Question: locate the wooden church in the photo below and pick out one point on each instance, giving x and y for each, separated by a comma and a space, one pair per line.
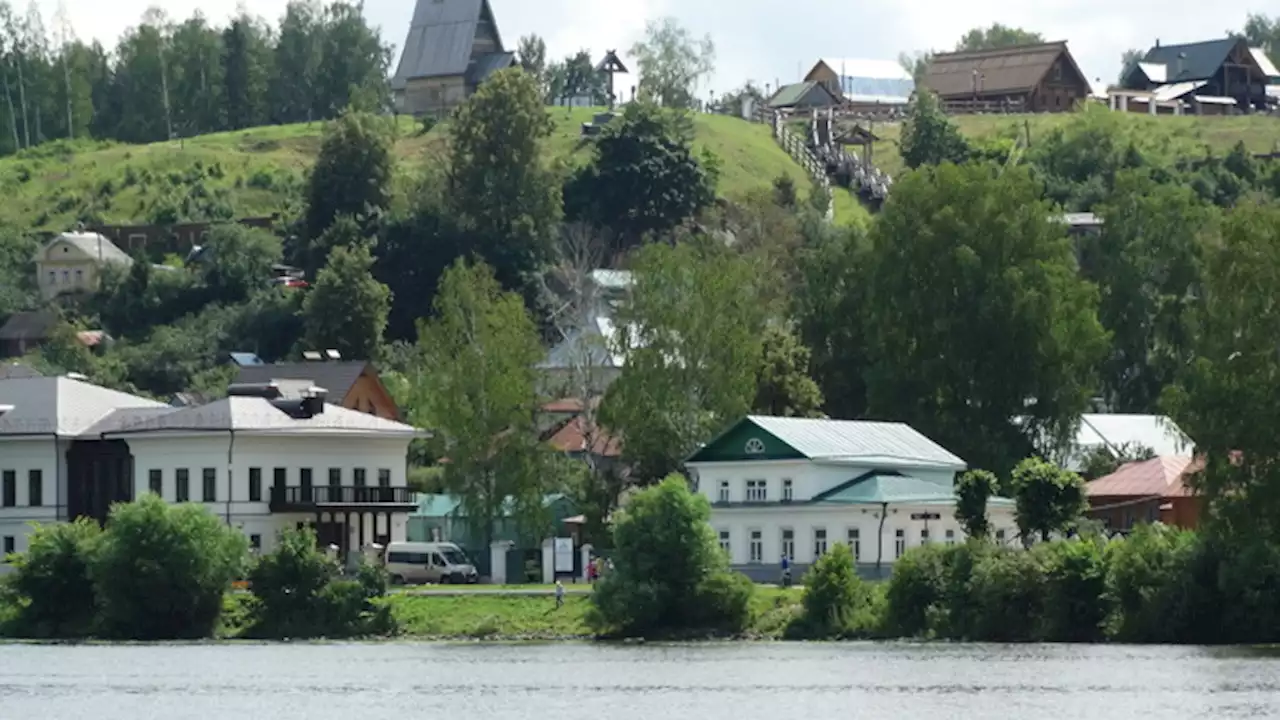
453, 46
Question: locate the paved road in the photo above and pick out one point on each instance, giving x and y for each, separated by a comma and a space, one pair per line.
448, 591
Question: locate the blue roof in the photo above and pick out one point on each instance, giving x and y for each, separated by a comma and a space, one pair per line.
881, 487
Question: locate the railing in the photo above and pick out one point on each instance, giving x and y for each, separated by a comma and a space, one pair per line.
984, 107
799, 151
295, 497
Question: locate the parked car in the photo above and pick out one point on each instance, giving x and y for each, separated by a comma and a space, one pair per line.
428, 562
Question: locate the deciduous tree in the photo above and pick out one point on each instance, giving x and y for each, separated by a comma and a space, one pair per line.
973, 490
347, 308
1049, 499
975, 315
783, 385
352, 175
671, 63
929, 137
997, 36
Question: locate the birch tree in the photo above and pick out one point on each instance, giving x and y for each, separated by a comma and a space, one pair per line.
158, 19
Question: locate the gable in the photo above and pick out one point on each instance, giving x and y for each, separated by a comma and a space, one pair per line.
821, 73
746, 441
368, 395
62, 250
1064, 71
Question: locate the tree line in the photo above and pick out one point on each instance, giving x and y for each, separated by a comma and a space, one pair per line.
167, 79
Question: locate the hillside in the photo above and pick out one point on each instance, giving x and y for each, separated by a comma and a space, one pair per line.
1260, 134
258, 171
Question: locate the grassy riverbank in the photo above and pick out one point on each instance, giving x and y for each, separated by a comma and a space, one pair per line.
476, 615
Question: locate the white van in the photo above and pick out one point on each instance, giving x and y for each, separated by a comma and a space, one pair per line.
416, 563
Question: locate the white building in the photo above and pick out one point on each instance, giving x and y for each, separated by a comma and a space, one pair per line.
262, 462
796, 486
588, 350
73, 261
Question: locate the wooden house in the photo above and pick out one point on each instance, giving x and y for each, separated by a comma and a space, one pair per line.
453, 46
1211, 77
802, 96
1037, 78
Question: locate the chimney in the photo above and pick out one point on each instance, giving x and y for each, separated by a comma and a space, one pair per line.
1157, 42
267, 390
313, 402
1182, 61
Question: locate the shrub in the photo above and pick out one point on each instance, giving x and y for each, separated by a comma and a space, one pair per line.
918, 583
836, 600
669, 575
162, 570
52, 583
1142, 583
1008, 592
1075, 603
299, 594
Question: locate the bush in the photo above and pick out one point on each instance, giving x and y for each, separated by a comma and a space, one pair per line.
669, 575
1142, 582
918, 584
52, 582
1075, 606
1008, 592
162, 570
836, 601
299, 594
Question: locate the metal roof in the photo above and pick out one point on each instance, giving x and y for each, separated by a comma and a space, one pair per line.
61, 406
877, 444
255, 414
1264, 62
865, 68
486, 65
1162, 476
338, 377
440, 38
1115, 431
1191, 61
790, 95
28, 325
1166, 93
612, 279
15, 371
94, 245
878, 488
1155, 72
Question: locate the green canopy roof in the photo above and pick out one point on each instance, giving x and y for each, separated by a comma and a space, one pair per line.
880, 487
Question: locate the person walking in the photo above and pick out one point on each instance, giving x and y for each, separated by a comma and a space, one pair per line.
559, 594
786, 570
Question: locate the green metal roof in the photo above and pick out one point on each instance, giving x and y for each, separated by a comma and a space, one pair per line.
436, 506
789, 95
880, 487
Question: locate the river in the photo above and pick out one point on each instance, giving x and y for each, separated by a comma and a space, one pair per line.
729, 681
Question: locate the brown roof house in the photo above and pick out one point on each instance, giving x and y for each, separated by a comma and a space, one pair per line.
1039, 78
354, 385
452, 47
1148, 491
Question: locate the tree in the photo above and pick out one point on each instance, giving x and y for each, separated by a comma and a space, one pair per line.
1147, 264
1128, 59
669, 573
783, 385
834, 596
973, 490
929, 137
996, 36
1221, 397
643, 178
237, 261
297, 61
53, 581
500, 191
532, 55
1264, 33
690, 332
1049, 499
479, 395
352, 174
246, 71
576, 76
198, 77
980, 333
671, 63
347, 309
916, 63
352, 71
163, 570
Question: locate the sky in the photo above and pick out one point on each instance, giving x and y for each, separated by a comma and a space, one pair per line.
765, 40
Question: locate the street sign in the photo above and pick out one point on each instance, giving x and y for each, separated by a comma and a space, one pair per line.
926, 516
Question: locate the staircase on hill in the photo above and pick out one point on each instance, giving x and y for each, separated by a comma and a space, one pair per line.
827, 159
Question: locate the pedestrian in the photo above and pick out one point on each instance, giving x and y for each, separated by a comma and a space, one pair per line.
786, 570
559, 594
592, 571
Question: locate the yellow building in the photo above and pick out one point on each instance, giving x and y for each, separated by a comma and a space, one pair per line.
73, 262
452, 47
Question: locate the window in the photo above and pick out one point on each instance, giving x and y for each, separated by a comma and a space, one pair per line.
66, 277
155, 482
279, 478
255, 484
53, 278
789, 543
757, 491
182, 481
255, 542
899, 543
209, 484
79, 276
304, 479
819, 542
724, 541
924, 536
723, 495
384, 478
951, 537
335, 484
358, 477
1000, 537
35, 488
8, 547
756, 547
786, 490
855, 543
10, 490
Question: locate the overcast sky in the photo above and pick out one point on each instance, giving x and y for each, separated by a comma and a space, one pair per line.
767, 40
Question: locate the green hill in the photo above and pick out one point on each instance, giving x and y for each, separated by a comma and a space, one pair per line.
260, 170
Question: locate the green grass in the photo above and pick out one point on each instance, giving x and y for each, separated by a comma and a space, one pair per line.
1259, 133
260, 170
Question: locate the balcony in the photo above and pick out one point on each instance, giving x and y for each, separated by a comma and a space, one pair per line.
342, 498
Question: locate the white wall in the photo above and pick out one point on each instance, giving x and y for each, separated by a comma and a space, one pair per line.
803, 520
807, 478
20, 456
170, 453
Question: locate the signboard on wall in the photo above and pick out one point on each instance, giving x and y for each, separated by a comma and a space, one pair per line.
564, 555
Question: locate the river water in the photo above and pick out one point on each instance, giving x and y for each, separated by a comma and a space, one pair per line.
730, 681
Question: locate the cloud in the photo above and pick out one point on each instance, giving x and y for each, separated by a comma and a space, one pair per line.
762, 40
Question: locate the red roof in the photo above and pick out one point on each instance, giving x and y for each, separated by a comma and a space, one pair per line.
1162, 476
569, 437
566, 405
